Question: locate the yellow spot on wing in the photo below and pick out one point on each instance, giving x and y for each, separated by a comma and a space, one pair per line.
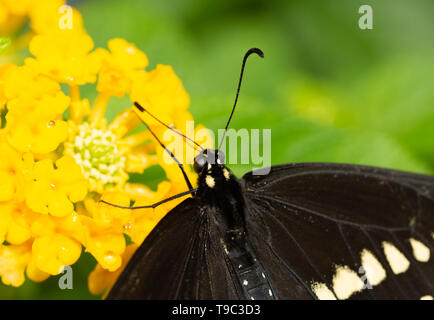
226, 174
420, 251
346, 282
397, 261
322, 292
374, 271
426, 298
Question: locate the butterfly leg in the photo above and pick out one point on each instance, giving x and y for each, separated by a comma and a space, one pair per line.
153, 206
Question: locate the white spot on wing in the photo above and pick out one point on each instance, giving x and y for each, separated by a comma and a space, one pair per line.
245, 282
322, 292
420, 251
210, 182
270, 293
426, 298
346, 282
374, 271
397, 261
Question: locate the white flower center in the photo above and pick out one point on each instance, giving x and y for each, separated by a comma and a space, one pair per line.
99, 155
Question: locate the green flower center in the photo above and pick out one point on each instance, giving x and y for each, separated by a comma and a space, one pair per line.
99, 155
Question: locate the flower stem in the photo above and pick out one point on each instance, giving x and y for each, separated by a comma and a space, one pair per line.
75, 109
74, 93
124, 122
99, 106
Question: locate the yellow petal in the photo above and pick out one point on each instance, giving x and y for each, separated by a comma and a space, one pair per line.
36, 274
59, 205
13, 260
7, 186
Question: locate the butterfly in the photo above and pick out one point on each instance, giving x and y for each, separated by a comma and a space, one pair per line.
302, 231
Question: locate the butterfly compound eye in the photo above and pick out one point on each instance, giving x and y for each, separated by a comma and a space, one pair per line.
221, 158
199, 162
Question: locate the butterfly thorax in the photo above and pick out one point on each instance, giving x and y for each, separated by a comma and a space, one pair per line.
219, 188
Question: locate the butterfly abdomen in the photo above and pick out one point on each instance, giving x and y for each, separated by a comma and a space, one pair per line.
250, 274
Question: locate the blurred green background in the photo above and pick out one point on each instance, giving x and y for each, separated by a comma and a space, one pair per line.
328, 90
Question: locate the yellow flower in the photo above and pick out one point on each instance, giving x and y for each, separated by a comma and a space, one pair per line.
3, 70
54, 190
101, 279
51, 253
65, 56
44, 15
107, 249
48, 15
119, 67
13, 262
112, 216
105, 239
36, 274
15, 224
35, 104
60, 155
22, 19
57, 243
11, 168
161, 93
26, 81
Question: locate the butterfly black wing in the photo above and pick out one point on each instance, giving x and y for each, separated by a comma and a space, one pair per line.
312, 227
319, 223
180, 259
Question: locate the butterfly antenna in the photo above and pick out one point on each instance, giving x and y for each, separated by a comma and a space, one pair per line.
153, 206
190, 187
141, 109
248, 53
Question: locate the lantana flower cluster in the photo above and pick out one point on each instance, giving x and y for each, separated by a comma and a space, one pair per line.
59, 155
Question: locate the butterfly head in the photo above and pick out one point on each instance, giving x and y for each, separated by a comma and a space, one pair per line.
208, 158
210, 165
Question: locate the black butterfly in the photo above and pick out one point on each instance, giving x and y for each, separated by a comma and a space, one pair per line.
303, 231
